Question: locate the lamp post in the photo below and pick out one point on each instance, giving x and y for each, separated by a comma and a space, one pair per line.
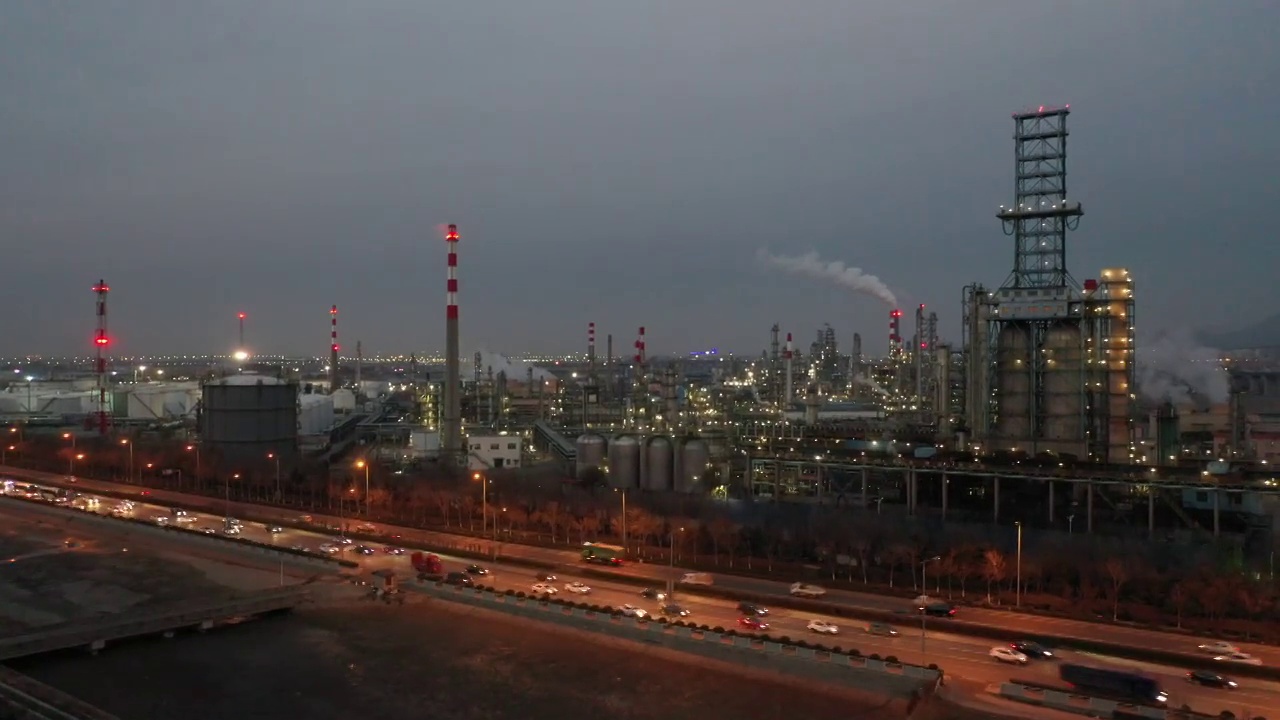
71, 463
126, 442
924, 611
671, 563
196, 449
4, 454
362, 465
624, 517
484, 502
227, 484
273, 456
1071, 524
1017, 593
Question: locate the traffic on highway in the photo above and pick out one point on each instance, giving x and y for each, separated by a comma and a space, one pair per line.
917, 638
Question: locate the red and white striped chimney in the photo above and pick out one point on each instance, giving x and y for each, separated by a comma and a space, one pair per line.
640, 347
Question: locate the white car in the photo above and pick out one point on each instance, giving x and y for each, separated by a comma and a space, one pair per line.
1008, 655
807, 591
577, 587
544, 588
633, 611
1219, 647
329, 548
1239, 658
822, 627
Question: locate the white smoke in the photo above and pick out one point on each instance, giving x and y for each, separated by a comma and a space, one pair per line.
871, 384
1173, 367
844, 275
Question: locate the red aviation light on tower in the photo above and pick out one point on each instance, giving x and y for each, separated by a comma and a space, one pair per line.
241, 316
102, 341
101, 287
451, 235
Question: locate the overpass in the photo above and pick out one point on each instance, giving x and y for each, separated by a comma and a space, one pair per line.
25, 697
95, 634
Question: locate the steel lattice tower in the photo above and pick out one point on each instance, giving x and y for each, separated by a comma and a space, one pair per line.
1041, 214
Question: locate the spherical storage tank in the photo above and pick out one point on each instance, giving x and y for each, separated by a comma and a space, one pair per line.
591, 452
624, 462
246, 417
695, 458
659, 460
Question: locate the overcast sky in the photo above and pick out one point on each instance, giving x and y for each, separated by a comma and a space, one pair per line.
616, 162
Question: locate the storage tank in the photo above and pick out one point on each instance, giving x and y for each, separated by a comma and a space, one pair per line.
660, 459
1064, 384
591, 453
624, 462
246, 417
1013, 382
695, 458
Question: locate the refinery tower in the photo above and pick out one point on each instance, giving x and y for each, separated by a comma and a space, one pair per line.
1049, 362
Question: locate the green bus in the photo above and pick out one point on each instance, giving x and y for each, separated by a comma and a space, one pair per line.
602, 553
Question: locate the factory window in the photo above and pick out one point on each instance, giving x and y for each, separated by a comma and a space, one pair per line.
493, 446
511, 446
475, 447
1202, 496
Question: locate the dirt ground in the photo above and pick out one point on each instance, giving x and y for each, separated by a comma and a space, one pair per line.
424, 659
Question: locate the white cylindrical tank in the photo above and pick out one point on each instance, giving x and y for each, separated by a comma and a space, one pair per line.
660, 459
591, 453
695, 458
624, 462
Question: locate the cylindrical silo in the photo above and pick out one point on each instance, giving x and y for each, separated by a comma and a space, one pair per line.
1013, 382
1064, 384
660, 458
245, 418
695, 458
591, 452
624, 462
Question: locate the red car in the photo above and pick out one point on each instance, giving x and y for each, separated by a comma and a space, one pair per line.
753, 623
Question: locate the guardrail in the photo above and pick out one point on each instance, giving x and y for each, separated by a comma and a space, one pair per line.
35, 700
811, 661
95, 635
1080, 704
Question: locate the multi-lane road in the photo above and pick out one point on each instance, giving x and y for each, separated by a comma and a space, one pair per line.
960, 656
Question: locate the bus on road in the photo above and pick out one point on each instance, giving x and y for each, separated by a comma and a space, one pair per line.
602, 553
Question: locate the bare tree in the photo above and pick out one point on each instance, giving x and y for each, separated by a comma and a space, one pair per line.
1118, 571
994, 569
1178, 596
723, 531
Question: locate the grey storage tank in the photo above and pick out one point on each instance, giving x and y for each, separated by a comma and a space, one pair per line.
591, 453
624, 462
659, 461
695, 458
246, 417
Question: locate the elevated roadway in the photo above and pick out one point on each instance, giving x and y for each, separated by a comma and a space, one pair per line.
943, 641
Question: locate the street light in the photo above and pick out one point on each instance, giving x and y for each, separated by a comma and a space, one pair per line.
72, 438
362, 465
484, 501
71, 463
1017, 593
273, 456
196, 448
624, 517
126, 442
924, 611
4, 454
227, 484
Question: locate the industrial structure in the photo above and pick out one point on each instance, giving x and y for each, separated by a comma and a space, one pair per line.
100, 343
451, 414
1049, 362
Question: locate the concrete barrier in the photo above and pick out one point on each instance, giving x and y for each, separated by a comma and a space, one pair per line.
811, 663
1075, 703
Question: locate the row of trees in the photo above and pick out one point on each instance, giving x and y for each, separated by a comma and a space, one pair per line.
1152, 583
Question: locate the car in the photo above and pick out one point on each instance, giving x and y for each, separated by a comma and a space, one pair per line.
544, 588
822, 627
231, 530
546, 577
363, 550
752, 622
1032, 650
1239, 658
1007, 655
457, 578
1219, 647
329, 548
633, 611
673, 610
275, 529
208, 530
577, 587
883, 629
807, 591
1210, 679
747, 608
345, 541
476, 570
939, 610
365, 528
393, 550
651, 594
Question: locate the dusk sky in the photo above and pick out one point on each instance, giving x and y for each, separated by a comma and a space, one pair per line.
622, 163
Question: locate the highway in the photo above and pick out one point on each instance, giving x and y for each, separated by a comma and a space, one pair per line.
960, 656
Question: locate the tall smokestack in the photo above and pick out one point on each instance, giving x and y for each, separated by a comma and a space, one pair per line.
895, 332
639, 385
451, 422
241, 317
918, 349
855, 363
100, 341
333, 348
591, 350
786, 357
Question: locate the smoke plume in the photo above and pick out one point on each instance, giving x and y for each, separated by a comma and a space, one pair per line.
810, 265
1173, 367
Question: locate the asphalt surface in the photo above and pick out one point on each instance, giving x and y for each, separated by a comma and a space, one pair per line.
960, 656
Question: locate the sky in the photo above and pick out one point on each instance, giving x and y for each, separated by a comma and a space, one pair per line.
618, 163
